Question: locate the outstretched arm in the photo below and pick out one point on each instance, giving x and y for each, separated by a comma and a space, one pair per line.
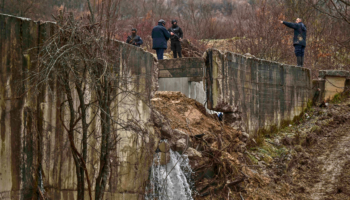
290, 25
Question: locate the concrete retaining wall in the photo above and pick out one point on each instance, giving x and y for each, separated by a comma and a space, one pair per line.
264, 93
27, 145
334, 82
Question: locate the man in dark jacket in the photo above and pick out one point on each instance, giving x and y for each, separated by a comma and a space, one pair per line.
299, 39
176, 38
160, 37
134, 39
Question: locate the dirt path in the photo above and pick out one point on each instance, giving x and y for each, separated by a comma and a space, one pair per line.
323, 172
333, 165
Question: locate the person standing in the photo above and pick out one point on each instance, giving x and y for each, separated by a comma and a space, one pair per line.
176, 38
134, 39
299, 39
160, 37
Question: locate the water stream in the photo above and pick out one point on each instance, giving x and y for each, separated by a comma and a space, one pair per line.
170, 181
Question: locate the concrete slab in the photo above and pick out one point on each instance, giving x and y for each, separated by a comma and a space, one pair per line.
323, 73
333, 86
181, 67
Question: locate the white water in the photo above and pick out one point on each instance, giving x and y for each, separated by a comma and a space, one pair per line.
170, 182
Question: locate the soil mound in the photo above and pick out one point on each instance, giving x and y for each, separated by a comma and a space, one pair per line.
307, 159
216, 151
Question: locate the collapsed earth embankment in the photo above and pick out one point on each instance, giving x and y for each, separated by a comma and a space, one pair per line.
308, 159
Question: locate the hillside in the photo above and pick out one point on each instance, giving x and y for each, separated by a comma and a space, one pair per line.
309, 159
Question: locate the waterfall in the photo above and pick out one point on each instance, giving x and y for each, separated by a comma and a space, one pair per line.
170, 181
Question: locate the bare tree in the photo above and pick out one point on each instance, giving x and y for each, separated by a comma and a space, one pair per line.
81, 58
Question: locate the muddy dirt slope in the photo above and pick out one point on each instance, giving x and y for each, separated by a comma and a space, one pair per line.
324, 171
307, 159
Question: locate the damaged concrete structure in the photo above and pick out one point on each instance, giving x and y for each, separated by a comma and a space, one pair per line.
258, 93
264, 93
33, 143
184, 75
332, 82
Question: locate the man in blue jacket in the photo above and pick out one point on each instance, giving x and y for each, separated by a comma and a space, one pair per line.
134, 39
160, 37
299, 39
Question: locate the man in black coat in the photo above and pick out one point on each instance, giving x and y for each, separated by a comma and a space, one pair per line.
160, 37
176, 38
134, 39
299, 39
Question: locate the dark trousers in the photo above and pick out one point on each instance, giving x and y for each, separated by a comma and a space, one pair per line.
299, 50
176, 48
160, 53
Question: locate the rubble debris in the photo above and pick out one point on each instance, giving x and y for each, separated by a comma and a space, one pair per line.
283, 166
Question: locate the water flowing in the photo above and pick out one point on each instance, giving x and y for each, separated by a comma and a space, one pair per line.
170, 181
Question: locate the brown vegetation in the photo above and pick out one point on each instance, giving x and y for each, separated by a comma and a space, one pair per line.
248, 26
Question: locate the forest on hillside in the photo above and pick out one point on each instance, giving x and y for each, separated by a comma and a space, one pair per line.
248, 26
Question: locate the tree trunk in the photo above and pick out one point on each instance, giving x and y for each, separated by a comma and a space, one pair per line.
102, 178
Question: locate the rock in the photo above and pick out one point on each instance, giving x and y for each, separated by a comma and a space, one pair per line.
181, 144
164, 147
177, 134
166, 131
244, 137
276, 141
193, 154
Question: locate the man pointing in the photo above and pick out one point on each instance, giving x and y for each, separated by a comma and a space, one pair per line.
299, 39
